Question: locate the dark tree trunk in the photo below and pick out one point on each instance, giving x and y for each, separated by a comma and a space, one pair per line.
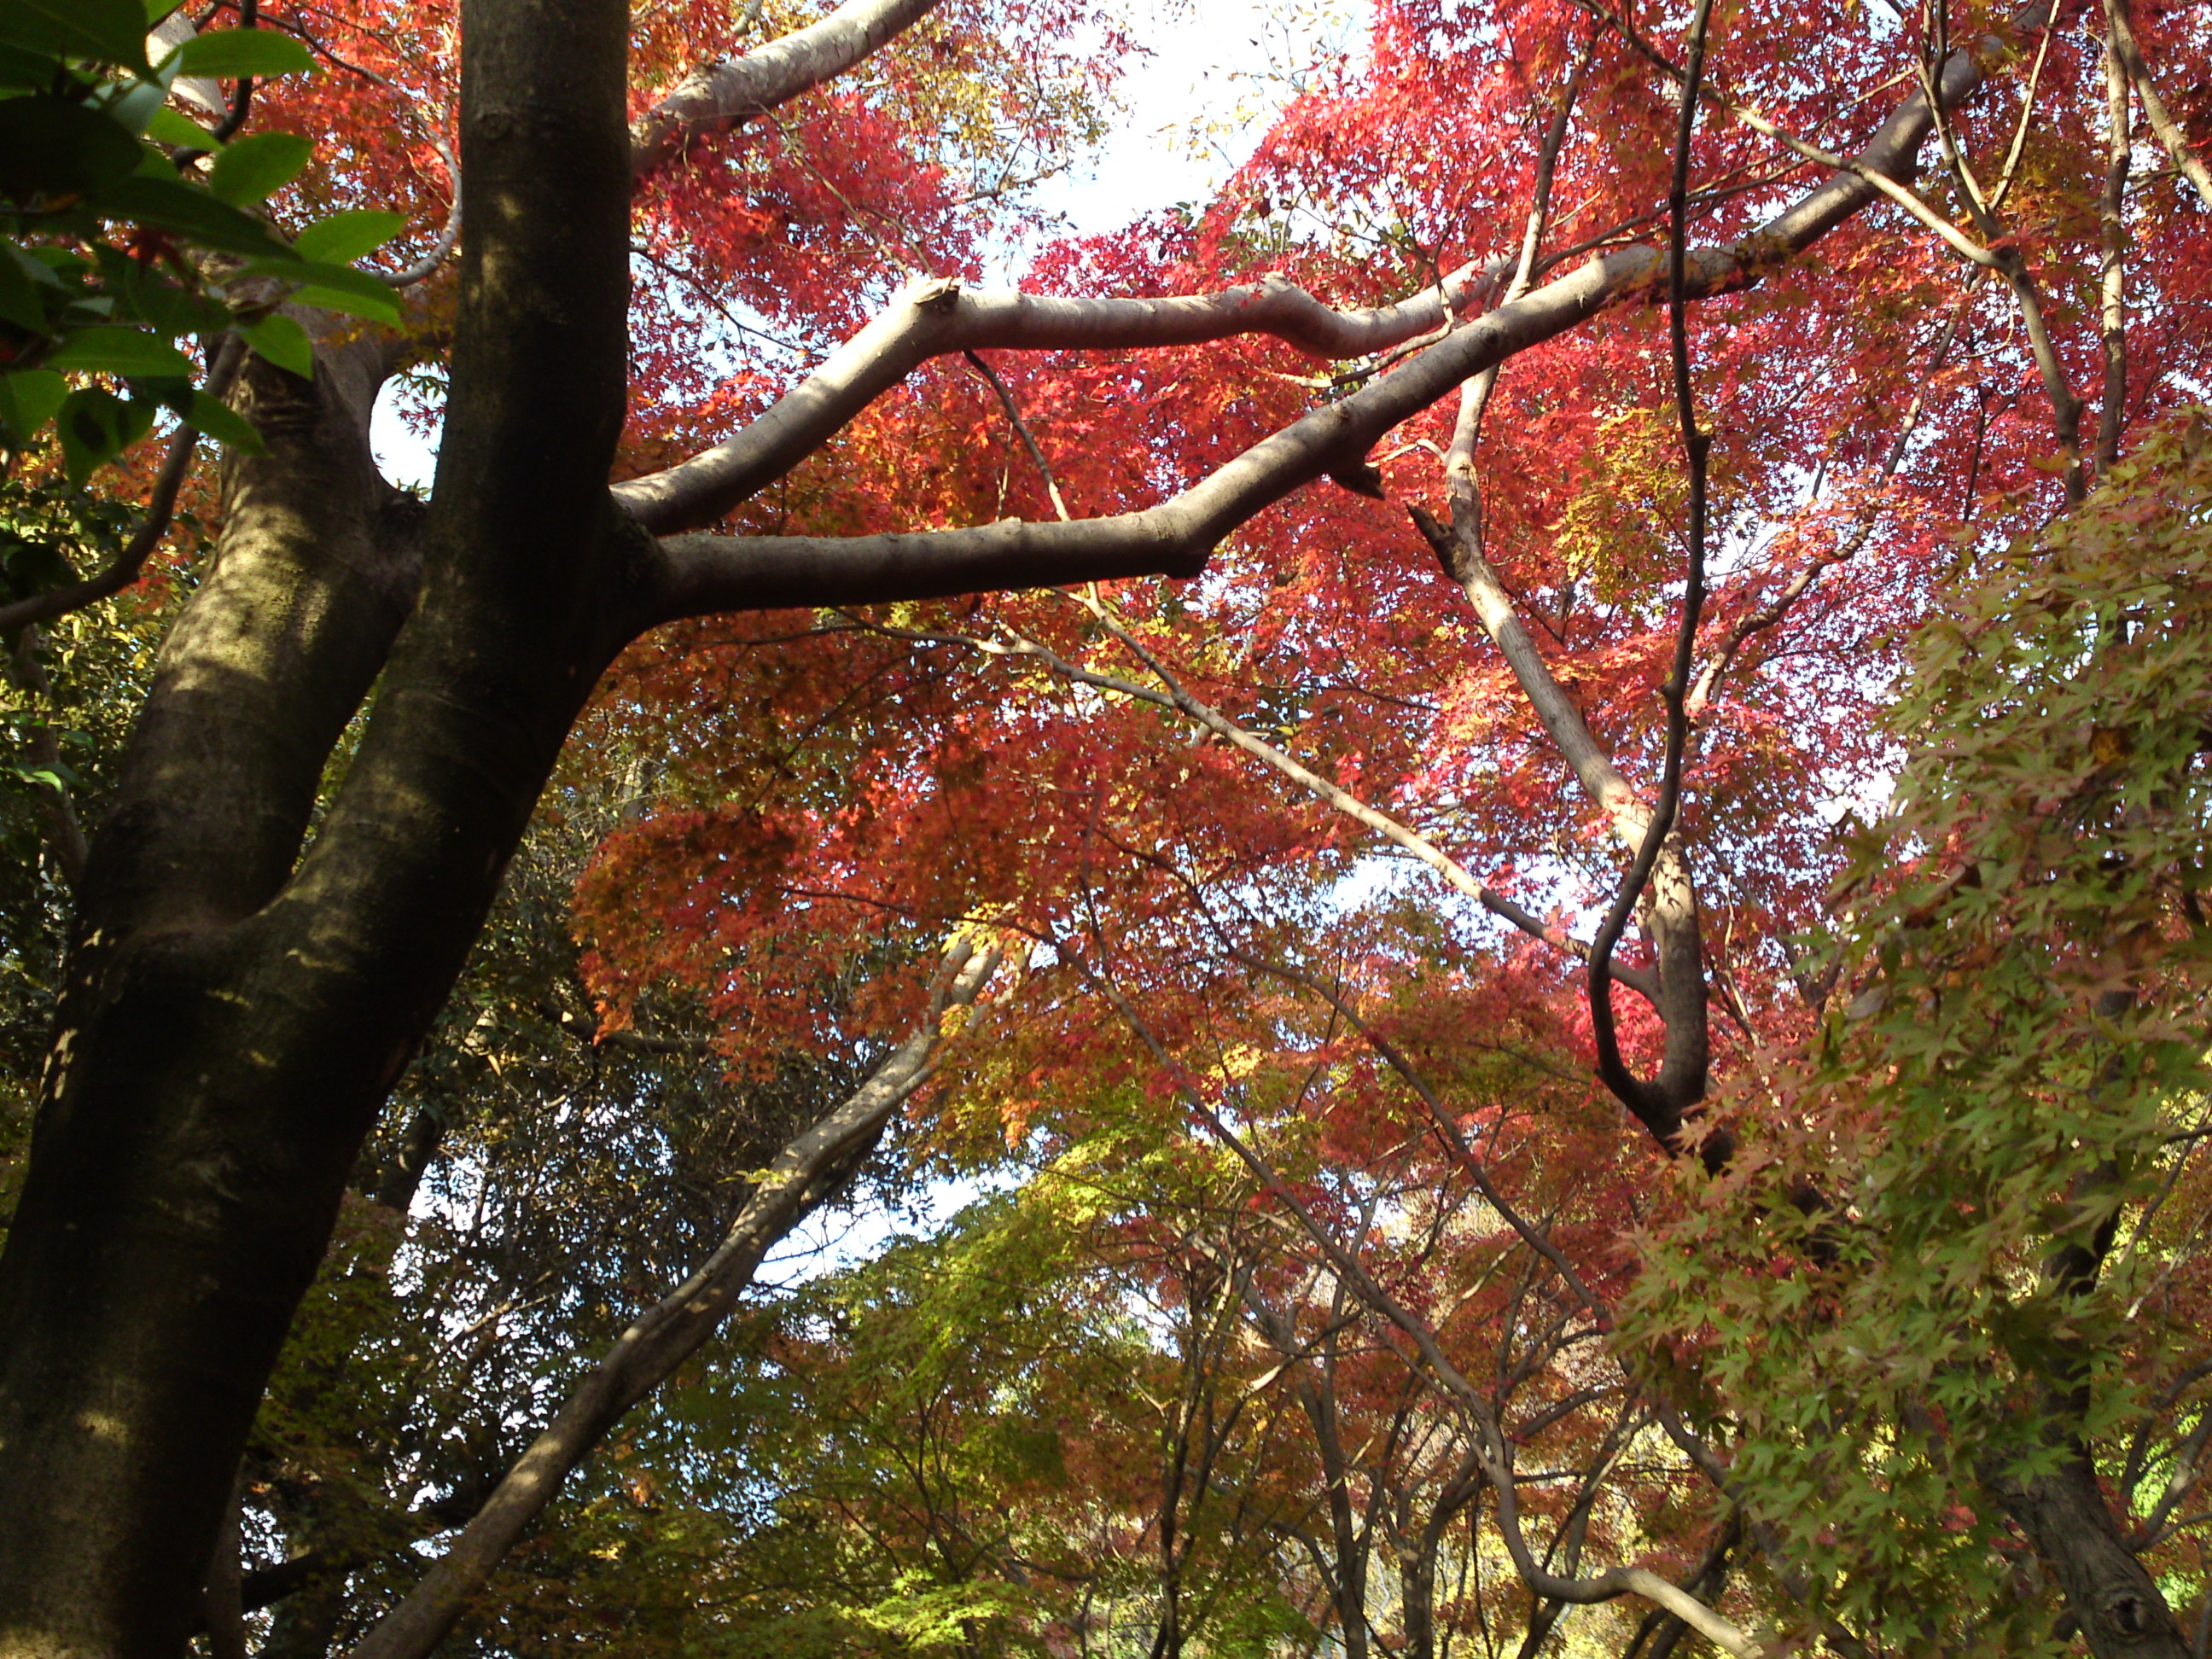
2119, 1609
236, 1011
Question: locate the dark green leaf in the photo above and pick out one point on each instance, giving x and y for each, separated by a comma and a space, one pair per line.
96, 425
251, 168
113, 31
21, 302
345, 237
215, 419
113, 350
283, 342
166, 307
171, 205
28, 400
340, 288
51, 147
229, 53
27, 71
32, 567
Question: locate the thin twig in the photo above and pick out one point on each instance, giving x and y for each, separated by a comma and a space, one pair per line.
1029, 439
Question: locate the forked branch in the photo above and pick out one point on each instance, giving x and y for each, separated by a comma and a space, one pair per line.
705, 573
1661, 1101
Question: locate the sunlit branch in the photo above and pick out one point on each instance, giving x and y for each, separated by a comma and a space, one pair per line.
720, 95
449, 234
705, 573
1671, 917
1474, 396
2186, 162
2009, 174
2008, 260
939, 317
804, 1173
1342, 800
1751, 116
2112, 238
1993, 251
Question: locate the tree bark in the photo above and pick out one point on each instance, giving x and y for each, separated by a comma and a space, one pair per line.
234, 1012
2120, 1611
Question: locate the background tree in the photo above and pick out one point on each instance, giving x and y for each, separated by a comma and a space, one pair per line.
263, 938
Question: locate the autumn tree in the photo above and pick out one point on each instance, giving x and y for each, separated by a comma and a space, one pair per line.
1766, 380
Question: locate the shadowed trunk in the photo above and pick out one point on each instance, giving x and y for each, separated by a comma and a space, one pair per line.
2120, 1611
235, 1013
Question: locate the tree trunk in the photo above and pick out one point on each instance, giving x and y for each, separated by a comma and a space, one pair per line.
235, 1013
2120, 1611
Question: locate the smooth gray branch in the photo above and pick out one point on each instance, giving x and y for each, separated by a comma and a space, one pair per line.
804, 1173
720, 95
706, 574
938, 318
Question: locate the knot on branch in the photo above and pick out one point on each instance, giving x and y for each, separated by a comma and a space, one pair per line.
938, 295
1450, 553
1361, 477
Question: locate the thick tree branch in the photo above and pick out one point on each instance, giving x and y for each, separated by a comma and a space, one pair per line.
707, 574
720, 95
938, 318
2186, 162
808, 1170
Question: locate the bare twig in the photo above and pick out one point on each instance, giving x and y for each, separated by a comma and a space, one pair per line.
1029, 439
1768, 615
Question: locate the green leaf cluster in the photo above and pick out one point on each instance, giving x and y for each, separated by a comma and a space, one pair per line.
115, 246
1923, 1278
